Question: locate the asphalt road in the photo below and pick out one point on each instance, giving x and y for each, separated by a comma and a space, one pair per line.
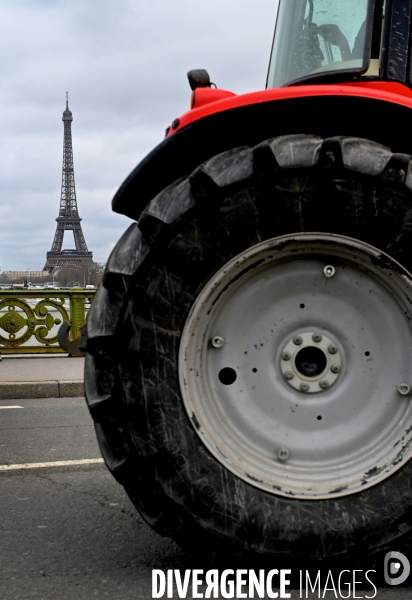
70, 532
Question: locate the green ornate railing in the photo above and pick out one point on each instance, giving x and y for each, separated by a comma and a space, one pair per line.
29, 320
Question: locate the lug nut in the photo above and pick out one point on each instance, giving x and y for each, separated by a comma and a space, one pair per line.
329, 271
316, 337
335, 368
218, 341
283, 453
323, 384
332, 349
297, 340
304, 387
286, 356
288, 375
403, 389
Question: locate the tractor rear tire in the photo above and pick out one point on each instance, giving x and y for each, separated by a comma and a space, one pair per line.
238, 204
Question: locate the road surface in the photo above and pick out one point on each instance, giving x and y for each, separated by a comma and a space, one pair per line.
68, 531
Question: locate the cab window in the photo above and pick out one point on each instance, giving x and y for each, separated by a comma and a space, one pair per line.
318, 36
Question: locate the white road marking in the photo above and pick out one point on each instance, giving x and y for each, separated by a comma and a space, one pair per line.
4, 407
57, 463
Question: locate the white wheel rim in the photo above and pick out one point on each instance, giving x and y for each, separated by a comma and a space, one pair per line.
311, 444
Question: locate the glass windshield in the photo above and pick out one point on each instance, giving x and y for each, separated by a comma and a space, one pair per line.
317, 36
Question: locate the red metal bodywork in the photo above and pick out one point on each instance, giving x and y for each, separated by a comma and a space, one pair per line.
376, 110
208, 101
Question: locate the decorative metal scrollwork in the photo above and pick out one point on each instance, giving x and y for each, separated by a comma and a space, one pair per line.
38, 321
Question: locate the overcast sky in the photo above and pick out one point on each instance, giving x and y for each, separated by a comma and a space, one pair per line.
124, 63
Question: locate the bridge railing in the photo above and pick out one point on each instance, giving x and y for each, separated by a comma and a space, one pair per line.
30, 319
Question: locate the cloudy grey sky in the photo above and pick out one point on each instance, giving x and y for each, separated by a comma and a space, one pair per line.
124, 63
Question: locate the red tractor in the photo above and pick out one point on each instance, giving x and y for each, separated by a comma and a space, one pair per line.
249, 354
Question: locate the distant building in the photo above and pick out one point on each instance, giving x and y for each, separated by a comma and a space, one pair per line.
23, 274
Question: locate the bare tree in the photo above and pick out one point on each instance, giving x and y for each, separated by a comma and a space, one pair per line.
89, 275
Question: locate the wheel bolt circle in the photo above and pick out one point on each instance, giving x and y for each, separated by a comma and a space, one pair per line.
283, 453
310, 348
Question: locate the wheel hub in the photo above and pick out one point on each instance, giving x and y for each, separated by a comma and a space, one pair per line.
295, 366
311, 362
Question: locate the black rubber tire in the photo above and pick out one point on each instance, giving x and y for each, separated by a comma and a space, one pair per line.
291, 184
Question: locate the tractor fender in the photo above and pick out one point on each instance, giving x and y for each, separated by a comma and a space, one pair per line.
377, 111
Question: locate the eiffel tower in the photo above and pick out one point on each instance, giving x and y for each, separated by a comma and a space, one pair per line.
68, 218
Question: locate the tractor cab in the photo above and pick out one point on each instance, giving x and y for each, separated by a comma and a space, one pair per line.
330, 40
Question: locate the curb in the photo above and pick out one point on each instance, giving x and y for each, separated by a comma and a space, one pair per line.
40, 389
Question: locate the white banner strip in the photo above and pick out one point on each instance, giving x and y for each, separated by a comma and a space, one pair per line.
57, 463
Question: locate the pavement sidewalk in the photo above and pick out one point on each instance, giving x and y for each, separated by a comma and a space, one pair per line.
24, 377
